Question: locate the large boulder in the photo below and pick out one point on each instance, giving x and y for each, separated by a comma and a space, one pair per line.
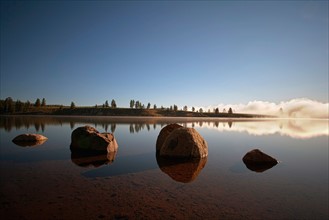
164, 133
88, 138
184, 143
258, 161
29, 139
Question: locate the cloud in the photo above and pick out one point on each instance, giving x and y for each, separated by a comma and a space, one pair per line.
295, 108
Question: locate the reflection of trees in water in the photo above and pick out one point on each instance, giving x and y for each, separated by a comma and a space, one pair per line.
37, 127
292, 128
72, 124
137, 127
113, 127
40, 123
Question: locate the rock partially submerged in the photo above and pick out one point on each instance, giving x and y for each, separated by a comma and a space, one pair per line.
183, 143
258, 161
88, 138
29, 140
30, 137
164, 133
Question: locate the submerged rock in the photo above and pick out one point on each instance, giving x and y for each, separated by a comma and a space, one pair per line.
184, 143
164, 133
181, 170
88, 138
29, 140
258, 161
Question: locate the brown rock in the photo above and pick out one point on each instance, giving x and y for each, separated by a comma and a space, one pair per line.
88, 138
258, 161
164, 133
185, 143
30, 140
29, 137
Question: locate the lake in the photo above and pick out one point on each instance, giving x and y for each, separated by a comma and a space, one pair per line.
48, 181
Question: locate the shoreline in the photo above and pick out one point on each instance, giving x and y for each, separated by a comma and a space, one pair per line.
128, 112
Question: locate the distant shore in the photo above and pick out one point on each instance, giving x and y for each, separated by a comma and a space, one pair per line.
92, 111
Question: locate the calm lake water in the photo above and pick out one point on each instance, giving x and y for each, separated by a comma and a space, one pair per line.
48, 181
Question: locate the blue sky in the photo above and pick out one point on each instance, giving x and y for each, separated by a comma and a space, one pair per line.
197, 53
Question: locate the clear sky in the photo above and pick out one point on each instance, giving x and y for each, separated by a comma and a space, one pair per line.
197, 53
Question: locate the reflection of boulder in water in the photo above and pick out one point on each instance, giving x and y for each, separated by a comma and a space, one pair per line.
30, 140
86, 158
259, 168
258, 161
181, 170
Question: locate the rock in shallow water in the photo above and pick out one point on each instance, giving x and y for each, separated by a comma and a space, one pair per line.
164, 133
29, 140
30, 137
184, 143
88, 138
258, 161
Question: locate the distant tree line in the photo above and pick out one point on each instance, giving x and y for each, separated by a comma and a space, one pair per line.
10, 106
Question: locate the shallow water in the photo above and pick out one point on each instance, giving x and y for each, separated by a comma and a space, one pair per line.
48, 181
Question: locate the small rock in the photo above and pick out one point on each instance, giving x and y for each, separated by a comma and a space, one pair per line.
29, 137
258, 161
29, 140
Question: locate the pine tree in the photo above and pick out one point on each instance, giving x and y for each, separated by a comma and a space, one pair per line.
43, 102
113, 104
37, 103
72, 105
132, 103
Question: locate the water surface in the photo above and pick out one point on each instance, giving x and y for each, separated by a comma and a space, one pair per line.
50, 180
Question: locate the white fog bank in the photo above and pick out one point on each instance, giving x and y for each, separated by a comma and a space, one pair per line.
295, 108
